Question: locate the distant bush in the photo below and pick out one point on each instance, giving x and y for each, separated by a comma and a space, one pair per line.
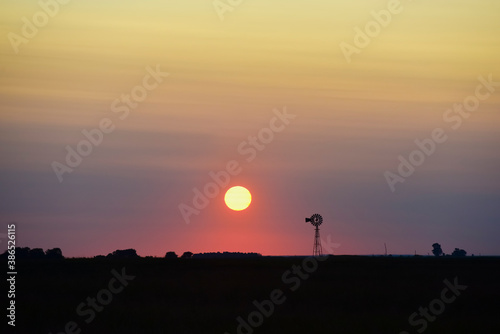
54, 253
23, 252
187, 255
123, 254
459, 252
36, 253
436, 249
171, 255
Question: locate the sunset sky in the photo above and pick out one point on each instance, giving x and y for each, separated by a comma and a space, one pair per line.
228, 79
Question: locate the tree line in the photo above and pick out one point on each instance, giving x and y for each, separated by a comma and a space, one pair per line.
438, 251
36, 253
56, 253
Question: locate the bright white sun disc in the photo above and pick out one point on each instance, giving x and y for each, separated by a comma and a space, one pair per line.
238, 198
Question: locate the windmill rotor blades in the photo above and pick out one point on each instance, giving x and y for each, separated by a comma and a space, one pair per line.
316, 219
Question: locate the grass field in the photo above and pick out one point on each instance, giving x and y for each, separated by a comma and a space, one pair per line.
344, 294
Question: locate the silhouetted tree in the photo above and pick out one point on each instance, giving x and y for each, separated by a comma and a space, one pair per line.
171, 255
54, 253
436, 249
187, 255
22, 252
123, 254
459, 252
37, 253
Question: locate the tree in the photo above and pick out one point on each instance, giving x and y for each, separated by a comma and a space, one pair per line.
459, 252
36, 253
124, 254
22, 252
54, 253
171, 255
187, 255
436, 249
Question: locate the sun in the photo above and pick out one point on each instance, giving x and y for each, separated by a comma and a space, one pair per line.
238, 198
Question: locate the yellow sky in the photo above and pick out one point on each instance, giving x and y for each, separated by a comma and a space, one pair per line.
264, 54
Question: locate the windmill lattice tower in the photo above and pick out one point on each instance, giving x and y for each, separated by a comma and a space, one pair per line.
316, 220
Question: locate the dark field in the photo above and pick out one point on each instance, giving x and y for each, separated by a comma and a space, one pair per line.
343, 295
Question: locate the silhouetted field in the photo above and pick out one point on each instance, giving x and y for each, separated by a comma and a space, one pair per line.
344, 294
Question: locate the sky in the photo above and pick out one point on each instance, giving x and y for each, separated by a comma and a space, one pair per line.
314, 106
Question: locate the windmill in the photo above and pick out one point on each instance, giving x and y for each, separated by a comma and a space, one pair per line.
316, 220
